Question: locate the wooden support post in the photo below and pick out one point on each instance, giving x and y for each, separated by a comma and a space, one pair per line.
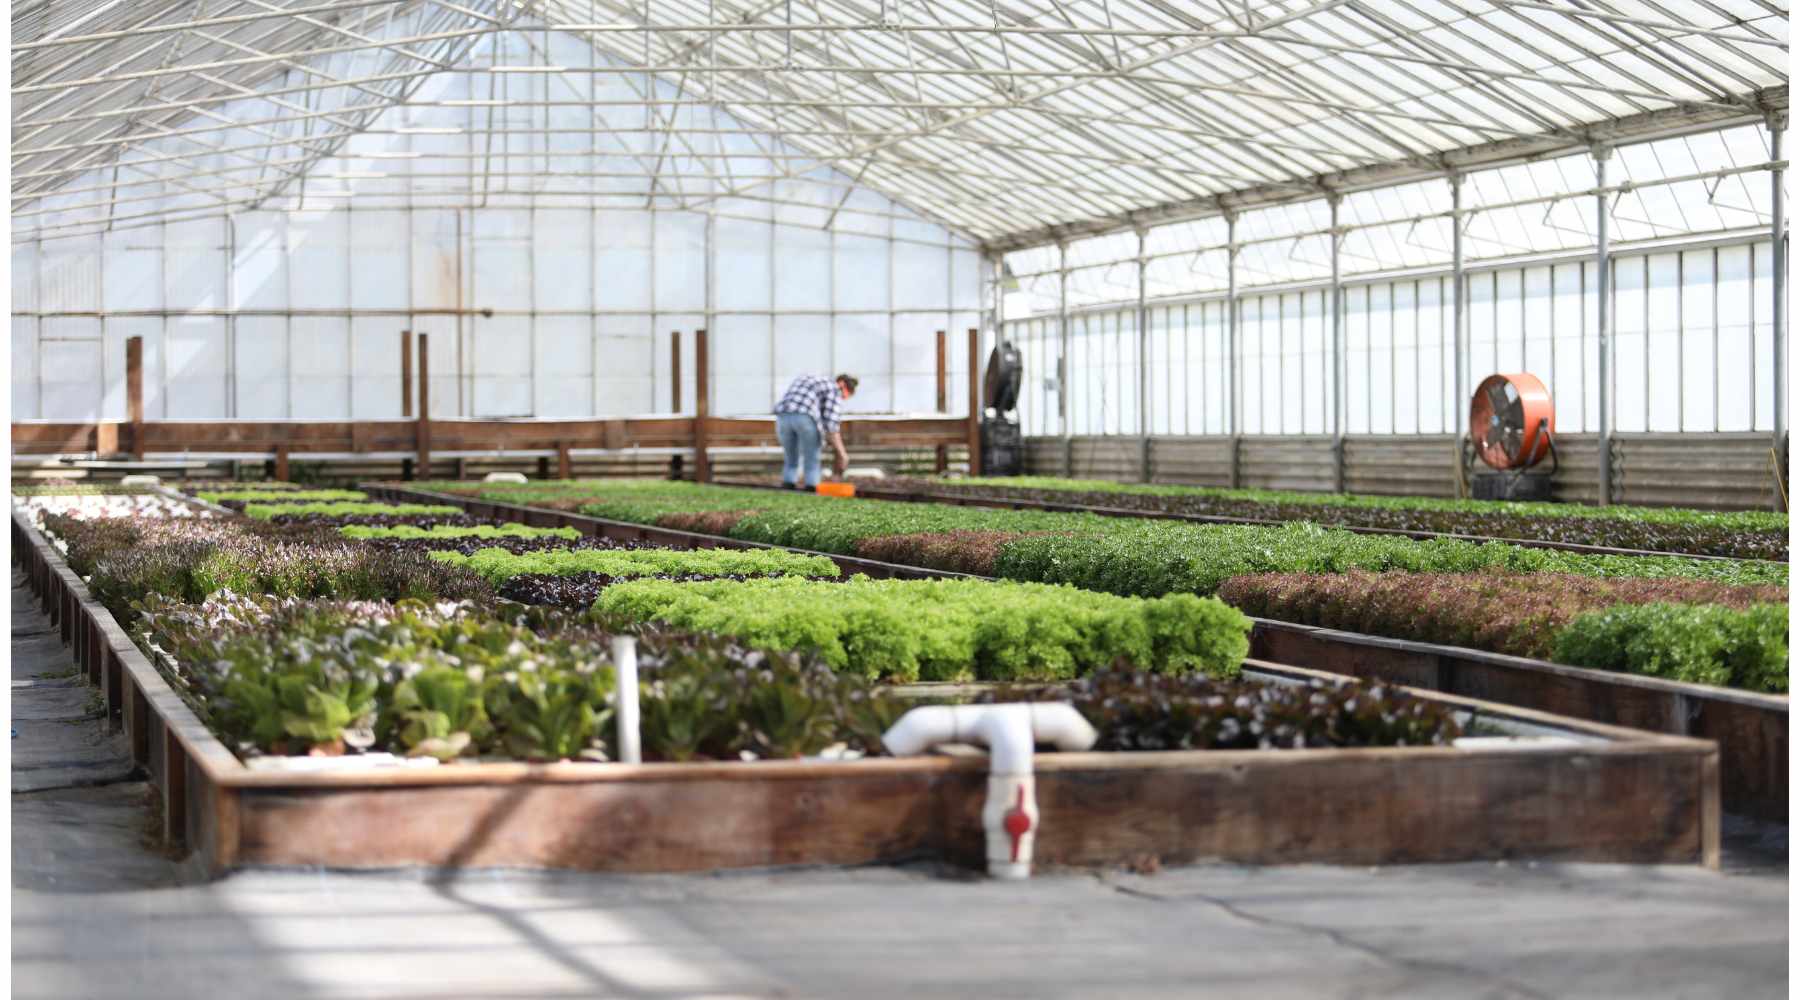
137, 720
943, 395
702, 394
675, 394
423, 434
565, 466
974, 402
281, 463
406, 375
175, 785
134, 394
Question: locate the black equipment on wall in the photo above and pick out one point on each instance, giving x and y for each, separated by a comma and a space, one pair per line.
1002, 443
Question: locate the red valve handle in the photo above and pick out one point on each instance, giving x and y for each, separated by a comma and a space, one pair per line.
1017, 823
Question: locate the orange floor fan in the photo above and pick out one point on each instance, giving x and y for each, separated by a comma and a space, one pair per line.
1513, 424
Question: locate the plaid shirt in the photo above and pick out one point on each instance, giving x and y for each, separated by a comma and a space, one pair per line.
815, 396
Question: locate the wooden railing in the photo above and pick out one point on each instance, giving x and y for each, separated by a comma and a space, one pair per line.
420, 435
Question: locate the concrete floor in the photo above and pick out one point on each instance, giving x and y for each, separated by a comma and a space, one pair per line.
98, 912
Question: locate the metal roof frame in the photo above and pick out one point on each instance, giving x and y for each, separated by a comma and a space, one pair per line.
1014, 122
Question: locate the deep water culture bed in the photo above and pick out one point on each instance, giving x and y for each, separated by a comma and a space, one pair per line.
1524, 785
1750, 727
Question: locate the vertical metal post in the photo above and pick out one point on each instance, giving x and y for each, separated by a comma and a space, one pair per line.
1065, 376
1459, 295
974, 431
1143, 364
1603, 274
1778, 311
1234, 407
1337, 348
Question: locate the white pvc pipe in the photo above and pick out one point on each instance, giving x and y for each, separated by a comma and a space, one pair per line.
1010, 732
625, 673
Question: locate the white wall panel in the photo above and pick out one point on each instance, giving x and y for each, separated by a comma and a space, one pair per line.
259, 277
623, 261
803, 269
195, 369
741, 365
921, 276
318, 294
680, 261
375, 367
71, 356
24, 276
915, 343
562, 269
628, 349
131, 279
433, 259
967, 272
24, 366
565, 365
860, 344
261, 358
502, 275
69, 275
745, 274
320, 359
318, 260
863, 266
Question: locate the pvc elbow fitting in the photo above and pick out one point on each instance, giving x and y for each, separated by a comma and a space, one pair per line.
1011, 733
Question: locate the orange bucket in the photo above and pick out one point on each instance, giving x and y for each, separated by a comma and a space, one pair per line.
837, 489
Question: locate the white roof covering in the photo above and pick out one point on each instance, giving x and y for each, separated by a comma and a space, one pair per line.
1012, 121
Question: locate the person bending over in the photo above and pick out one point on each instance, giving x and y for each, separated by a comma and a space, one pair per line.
807, 413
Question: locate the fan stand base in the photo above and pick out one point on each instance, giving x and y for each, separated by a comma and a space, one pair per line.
1002, 447
1511, 486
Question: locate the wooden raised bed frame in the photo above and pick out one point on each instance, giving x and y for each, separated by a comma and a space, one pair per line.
1636, 797
1750, 728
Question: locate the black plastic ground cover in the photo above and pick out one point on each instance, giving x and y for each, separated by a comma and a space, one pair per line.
1021, 503
1750, 728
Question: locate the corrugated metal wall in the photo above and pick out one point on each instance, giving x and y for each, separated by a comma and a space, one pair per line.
1715, 471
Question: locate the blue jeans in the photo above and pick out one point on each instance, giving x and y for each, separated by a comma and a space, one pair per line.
799, 445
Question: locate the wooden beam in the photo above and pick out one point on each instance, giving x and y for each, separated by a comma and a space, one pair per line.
675, 370
397, 435
281, 463
974, 402
943, 395
134, 394
702, 394
423, 433
565, 467
406, 374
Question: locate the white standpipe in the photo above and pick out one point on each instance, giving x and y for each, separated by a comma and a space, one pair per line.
625, 674
1010, 732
